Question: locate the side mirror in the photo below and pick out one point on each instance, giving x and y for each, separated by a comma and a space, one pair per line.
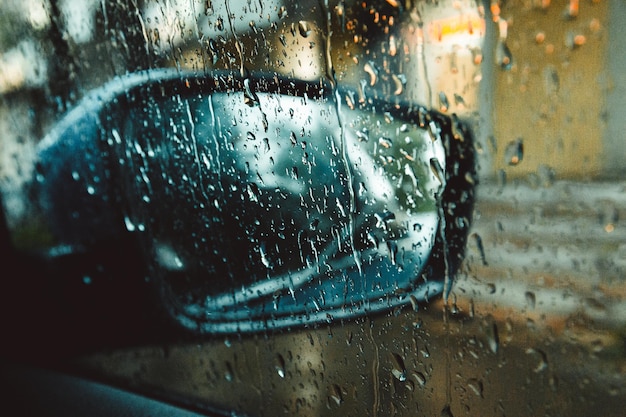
261, 202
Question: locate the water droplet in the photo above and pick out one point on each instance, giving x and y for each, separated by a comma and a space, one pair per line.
304, 28
383, 218
250, 97
168, 258
551, 80
252, 25
250, 136
363, 134
542, 359
253, 192
575, 40
228, 373
392, 247
434, 131
130, 226
514, 152
398, 84
493, 340
444, 104
423, 117
335, 394
370, 68
279, 365
398, 369
504, 58
530, 299
373, 240
476, 386
459, 100
437, 170
540, 37
219, 24
419, 378
263, 254
571, 11
385, 142
282, 12
457, 131
479, 246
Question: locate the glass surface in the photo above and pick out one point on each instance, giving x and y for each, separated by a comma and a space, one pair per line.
335, 208
259, 202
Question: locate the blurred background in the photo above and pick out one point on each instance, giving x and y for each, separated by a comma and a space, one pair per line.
536, 319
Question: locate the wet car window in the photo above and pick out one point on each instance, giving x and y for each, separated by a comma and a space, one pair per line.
271, 207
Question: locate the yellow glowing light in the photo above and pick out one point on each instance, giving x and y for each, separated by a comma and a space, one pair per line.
454, 26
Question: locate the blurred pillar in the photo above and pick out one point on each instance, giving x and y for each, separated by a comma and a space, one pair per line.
550, 107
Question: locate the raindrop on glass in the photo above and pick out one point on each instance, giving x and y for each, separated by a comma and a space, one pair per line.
398, 370
279, 365
444, 104
475, 386
504, 57
530, 299
419, 378
514, 152
335, 394
304, 28
493, 340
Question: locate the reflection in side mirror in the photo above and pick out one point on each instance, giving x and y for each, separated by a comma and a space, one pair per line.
262, 202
